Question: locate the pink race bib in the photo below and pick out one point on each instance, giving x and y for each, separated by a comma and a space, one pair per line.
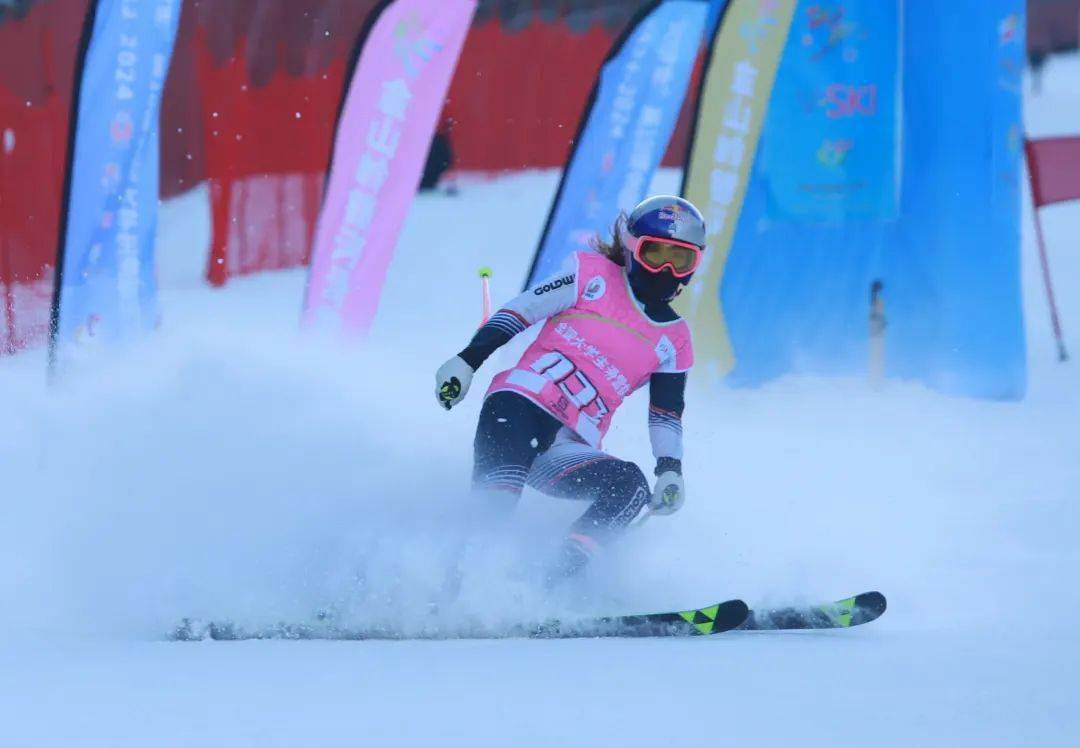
589, 358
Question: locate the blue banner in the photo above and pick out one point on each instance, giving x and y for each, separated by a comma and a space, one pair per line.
832, 144
635, 107
796, 292
107, 286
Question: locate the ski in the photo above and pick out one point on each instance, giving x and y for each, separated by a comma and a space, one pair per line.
713, 619
852, 611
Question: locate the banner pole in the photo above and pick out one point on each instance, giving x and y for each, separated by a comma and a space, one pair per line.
7, 278
65, 200
877, 334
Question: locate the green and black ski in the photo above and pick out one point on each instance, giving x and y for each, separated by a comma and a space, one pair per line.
842, 614
713, 619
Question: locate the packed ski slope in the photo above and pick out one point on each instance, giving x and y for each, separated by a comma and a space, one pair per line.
229, 468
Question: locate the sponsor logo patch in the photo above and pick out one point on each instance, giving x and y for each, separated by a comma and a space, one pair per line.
674, 214
665, 349
564, 281
595, 289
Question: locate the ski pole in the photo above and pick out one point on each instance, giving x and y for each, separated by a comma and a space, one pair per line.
485, 276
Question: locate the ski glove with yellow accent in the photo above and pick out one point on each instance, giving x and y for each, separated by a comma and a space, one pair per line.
452, 382
670, 492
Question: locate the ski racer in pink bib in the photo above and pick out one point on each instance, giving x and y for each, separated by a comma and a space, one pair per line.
608, 330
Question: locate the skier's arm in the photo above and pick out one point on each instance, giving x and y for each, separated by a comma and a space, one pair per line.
666, 404
545, 299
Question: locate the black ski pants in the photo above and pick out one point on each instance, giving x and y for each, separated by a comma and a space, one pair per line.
518, 443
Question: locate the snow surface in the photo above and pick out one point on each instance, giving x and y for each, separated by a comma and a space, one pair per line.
229, 468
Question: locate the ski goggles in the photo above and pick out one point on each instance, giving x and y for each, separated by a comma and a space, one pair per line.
656, 254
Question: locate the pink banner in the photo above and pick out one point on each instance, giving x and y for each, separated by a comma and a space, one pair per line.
382, 142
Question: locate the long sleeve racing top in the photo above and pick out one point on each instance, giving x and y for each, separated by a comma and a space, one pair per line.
548, 298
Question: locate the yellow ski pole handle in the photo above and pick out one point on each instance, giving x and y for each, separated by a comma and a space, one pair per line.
449, 392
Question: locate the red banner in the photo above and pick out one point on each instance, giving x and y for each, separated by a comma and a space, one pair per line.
37, 59
1054, 166
250, 105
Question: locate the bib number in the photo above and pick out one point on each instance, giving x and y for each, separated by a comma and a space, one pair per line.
572, 382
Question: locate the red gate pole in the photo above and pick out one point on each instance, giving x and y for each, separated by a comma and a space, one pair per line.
1063, 355
1036, 202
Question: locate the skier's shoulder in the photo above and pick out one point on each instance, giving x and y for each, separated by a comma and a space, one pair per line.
566, 275
596, 274
587, 267
591, 260
564, 279
550, 295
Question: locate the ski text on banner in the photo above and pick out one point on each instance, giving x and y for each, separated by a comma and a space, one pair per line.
734, 99
108, 289
386, 126
635, 107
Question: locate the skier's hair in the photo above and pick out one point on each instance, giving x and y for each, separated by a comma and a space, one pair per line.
613, 249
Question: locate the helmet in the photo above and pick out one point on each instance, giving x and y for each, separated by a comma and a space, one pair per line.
668, 216
661, 217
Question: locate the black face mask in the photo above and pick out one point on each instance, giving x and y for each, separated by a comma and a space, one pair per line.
653, 288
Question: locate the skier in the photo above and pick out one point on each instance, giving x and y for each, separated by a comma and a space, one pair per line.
609, 329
